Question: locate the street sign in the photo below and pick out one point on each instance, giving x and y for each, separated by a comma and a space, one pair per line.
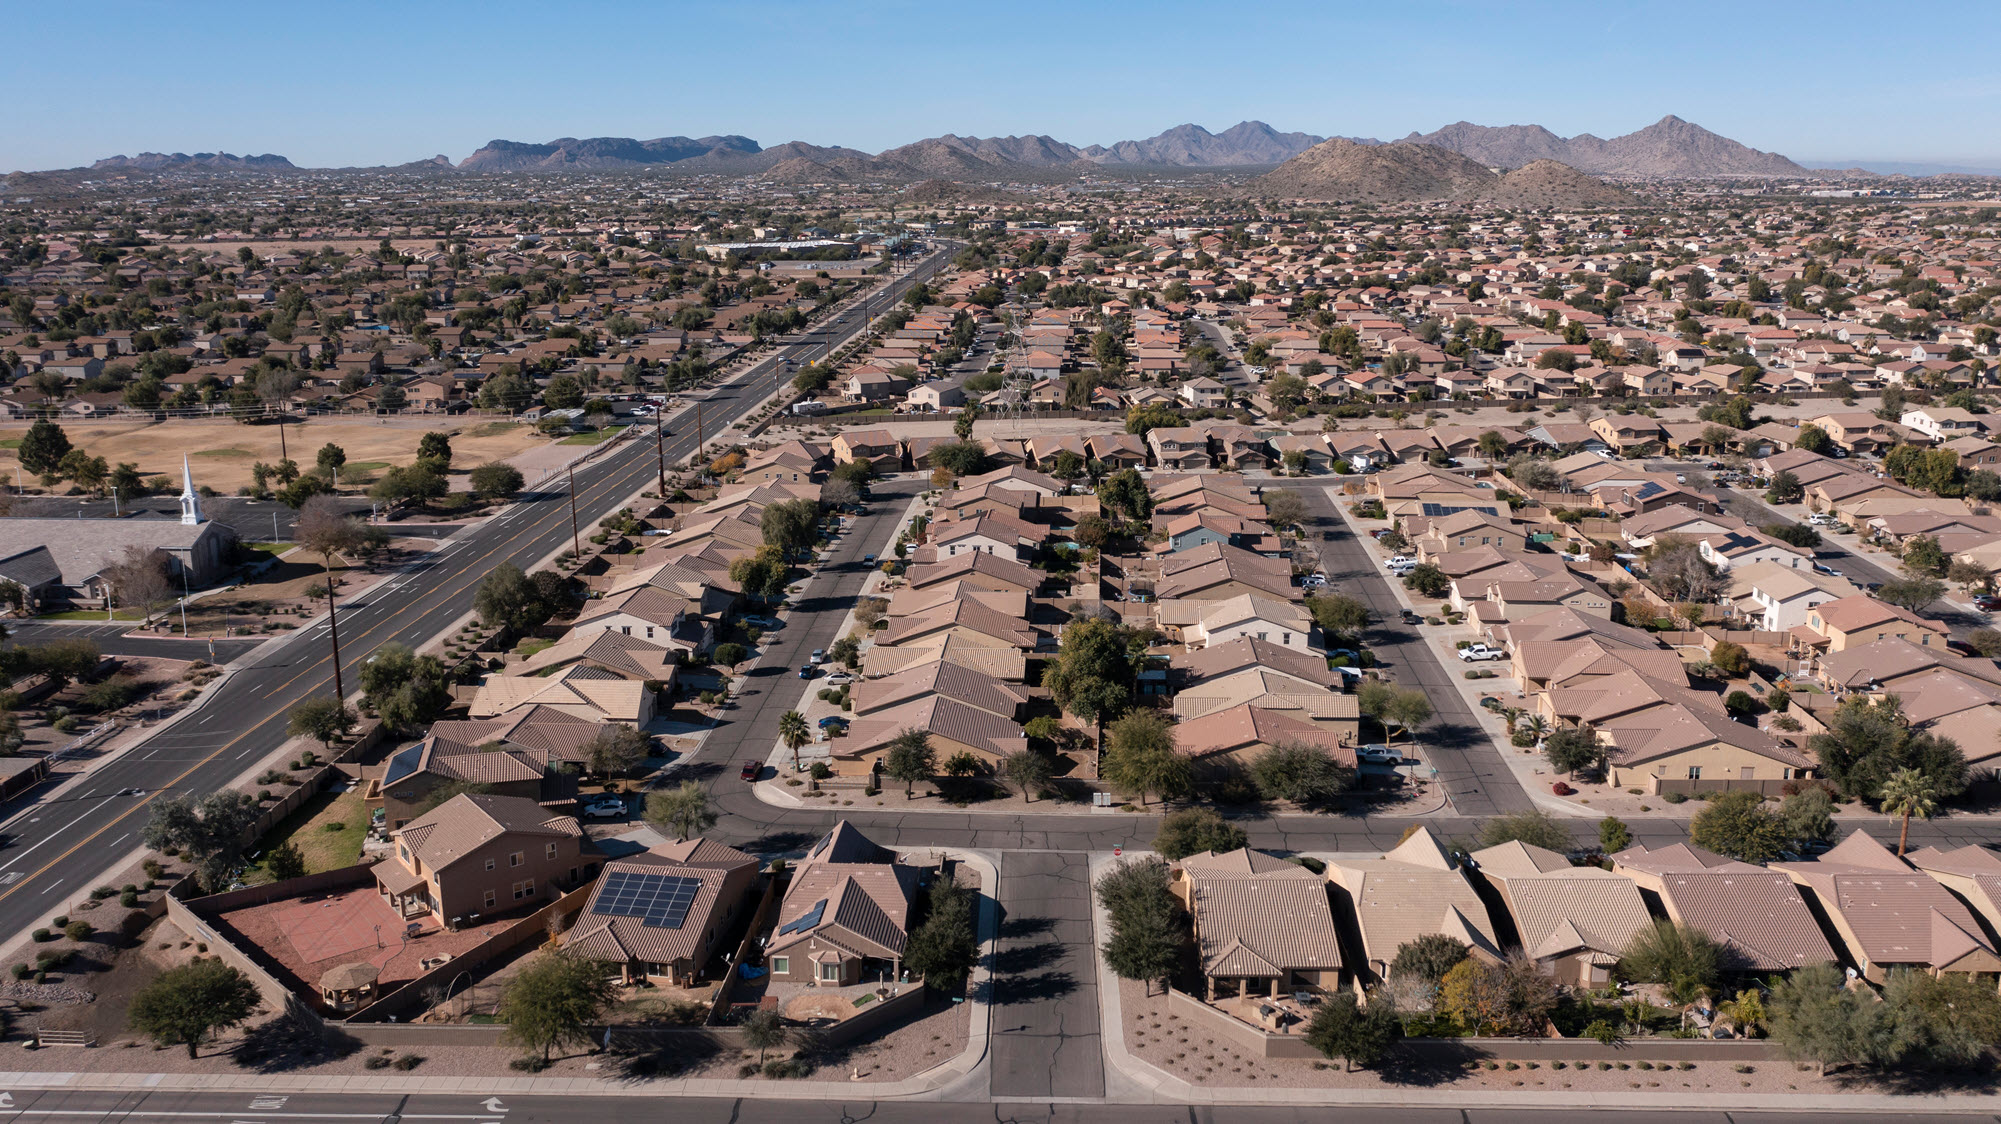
1117, 850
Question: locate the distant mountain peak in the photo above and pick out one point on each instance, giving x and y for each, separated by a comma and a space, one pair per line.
1670, 147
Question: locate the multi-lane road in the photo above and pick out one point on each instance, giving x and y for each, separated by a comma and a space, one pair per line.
61, 847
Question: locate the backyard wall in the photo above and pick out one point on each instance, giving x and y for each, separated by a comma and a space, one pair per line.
407, 1001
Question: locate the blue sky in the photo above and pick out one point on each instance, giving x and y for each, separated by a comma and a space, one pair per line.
374, 83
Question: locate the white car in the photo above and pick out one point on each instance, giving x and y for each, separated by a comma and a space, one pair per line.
605, 808
838, 678
1475, 653
1401, 564
1378, 754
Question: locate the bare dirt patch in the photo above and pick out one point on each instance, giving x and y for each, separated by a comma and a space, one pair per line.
221, 452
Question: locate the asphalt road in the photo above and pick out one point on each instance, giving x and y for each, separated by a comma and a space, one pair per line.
1046, 1041
61, 848
1472, 770
392, 1108
111, 639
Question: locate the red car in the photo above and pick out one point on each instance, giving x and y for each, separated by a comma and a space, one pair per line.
751, 769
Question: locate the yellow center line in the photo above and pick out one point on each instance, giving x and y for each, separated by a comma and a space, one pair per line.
220, 750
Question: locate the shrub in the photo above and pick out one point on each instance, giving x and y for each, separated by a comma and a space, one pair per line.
78, 930
379, 1061
409, 1062
41, 936
1675, 797
20, 971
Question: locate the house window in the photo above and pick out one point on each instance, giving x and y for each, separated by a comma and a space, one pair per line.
403, 853
649, 632
525, 889
626, 629
515, 859
489, 901
1695, 772
489, 864
831, 972
550, 852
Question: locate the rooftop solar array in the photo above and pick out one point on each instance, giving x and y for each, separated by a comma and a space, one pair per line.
805, 920
1434, 510
660, 901
403, 764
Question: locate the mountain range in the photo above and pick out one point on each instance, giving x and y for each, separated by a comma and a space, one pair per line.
1670, 147
1342, 171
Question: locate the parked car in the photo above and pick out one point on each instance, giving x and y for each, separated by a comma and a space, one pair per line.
819, 655
1475, 653
838, 678
766, 623
605, 808
1401, 564
751, 769
1408, 617
868, 559
1986, 602
806, 672
832, 721
1378, 755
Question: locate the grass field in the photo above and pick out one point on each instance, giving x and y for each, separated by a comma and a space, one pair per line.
93, 615
595, 437
307, 829
223, 451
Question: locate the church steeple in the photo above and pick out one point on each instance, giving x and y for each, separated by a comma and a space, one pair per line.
190, 502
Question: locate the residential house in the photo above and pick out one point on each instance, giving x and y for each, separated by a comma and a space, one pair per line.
1262, 924
477, 855
846, 914
1574, 921
1414, 890
666, 914
1891, 915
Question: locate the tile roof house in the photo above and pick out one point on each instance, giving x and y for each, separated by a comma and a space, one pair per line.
846, 913
1411, 891
1756, 914
476, 855
1262, 924
1573, 921
1891, 915
664, 914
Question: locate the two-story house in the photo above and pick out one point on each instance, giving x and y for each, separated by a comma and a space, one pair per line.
476, 855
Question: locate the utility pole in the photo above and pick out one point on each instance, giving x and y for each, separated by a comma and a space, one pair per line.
575, 542
660, 450
333, 634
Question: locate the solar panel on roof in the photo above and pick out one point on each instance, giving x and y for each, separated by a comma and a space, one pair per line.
1434, 510
821, 845
660, 901
402, 764
805, 920
1649, 490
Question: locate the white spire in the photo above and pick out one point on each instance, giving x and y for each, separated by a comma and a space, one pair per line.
190, 502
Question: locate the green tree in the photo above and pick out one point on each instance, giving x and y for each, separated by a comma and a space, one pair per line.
1513, 997
322, 718
795, 733
1906, 793
210, 832
65, 661
495, 480
1730, 657
285, 862
791, 525
1283, 508
1028, 770
1736, 824
330, 460
1814, 439
1570, 751
1092, 676
1613, 835
1808, 815
1680, 958
1784, 487
1865, 742
43, 448
1147, 933
553, 1000
563, 393
616, 749
1125, 492
1193, 830
507, 599
943, 949
1341, 618
910, 759
186, 1005
1816, 1018
685, 810
1343, 1028
1535, 827
960, 458
765, 1030
1140, 756
1427, 580
1299, 771
1429, 957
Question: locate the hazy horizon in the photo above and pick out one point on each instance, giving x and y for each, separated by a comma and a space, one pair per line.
385, 85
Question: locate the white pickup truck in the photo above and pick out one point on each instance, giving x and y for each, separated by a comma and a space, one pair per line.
1475, 653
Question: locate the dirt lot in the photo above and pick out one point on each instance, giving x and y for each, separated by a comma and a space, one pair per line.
221, 452
279, 594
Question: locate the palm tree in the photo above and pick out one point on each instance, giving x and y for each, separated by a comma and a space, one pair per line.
1535, 724
793, 731
1907, 793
